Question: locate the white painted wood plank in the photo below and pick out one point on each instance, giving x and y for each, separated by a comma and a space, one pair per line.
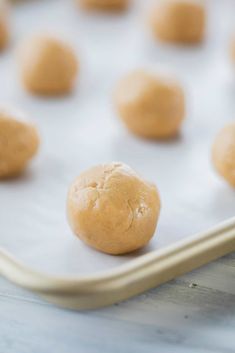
217, 275
171, 317
29, 327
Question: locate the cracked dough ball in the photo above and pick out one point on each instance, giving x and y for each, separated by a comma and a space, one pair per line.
19, 142
4, 25
104, 5
150, 106
48, 66
112, 209
223, 153
179, 21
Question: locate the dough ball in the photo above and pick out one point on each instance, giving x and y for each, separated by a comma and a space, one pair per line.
223, 153
112, 209
104, 5
232, 49
179, 21
151, 106
4, 25
19, 142
48, 66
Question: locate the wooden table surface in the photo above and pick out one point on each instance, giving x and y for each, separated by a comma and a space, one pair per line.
195, 313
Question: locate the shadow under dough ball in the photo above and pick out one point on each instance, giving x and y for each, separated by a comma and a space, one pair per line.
48, 66
112, 209
151, 106
104, 5
223, 153
4, 24
178, 21
19, 142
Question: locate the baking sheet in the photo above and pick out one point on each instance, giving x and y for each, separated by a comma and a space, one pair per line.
82, 130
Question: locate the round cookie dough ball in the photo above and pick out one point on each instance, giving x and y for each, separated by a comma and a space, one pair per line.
19, 142
112, 209
48, 66
104, 5
223, 153
232, 49
179, 21
150, 106
4, 25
